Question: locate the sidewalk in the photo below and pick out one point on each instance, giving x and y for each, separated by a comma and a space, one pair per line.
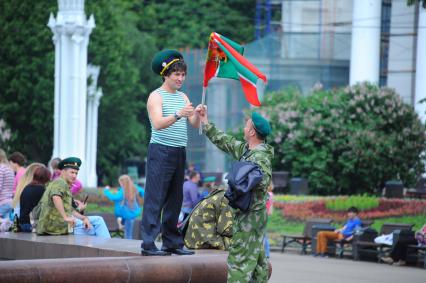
289, 268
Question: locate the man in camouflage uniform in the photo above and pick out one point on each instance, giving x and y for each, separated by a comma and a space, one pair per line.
57, 216
246, 260
210, 223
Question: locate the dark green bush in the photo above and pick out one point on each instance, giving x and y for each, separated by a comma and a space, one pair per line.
346, 141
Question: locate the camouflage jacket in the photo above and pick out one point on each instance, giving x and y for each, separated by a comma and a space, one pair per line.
210, 223
50, 221
261, 155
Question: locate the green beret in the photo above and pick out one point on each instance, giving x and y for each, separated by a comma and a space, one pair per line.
164, 59
261, 125
70, 162
209, 179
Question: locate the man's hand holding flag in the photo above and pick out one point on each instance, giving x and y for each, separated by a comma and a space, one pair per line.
225, 60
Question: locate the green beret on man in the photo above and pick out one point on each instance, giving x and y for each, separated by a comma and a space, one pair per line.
261, 125
70, 162
164, 59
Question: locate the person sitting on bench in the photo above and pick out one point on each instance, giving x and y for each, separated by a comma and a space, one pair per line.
346, 232
398, 254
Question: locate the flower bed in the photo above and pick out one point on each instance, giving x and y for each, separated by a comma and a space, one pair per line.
317, 209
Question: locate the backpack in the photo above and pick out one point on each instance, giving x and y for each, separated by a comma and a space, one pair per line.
242, 178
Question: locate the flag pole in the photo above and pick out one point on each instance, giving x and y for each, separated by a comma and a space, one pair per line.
203, 101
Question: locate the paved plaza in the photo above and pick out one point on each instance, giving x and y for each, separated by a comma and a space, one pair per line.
287, 267
295, 268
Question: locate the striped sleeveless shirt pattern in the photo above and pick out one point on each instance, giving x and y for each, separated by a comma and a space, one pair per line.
176, 134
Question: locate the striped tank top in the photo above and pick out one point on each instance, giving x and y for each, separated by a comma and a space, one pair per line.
176, 134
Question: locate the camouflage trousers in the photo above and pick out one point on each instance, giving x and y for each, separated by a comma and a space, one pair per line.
246, 260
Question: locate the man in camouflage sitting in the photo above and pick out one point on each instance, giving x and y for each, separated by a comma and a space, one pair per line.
246, 260
57, 216
210, 223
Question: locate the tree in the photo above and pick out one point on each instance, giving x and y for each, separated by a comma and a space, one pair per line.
350, 140
413, 2
26, 77
123, 53
27, 83
185, 23
126, 36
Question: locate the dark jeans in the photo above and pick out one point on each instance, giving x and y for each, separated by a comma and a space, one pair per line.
163, 196
26, 227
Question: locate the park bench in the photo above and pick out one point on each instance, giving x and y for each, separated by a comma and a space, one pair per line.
418, 253
365, 247
416, 193
415, 254
305, 239
343, 245
419, 191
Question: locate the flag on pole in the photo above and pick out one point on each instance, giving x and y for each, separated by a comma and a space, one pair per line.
225, 60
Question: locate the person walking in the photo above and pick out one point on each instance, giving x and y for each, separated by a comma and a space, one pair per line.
190, 193
169, 111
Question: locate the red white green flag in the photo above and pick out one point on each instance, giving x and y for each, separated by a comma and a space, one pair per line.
225, 60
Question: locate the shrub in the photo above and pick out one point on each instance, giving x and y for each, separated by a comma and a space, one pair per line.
346, 141
343, 203
317, 209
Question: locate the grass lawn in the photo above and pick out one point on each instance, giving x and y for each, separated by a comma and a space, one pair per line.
94, 207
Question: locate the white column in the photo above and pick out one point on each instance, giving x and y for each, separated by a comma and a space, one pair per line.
420, 91
94, 95
365, 46
71, 31
56, 39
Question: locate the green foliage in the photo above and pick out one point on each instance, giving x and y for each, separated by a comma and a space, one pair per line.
124, 53
126, 36
418, 221
96, 208
278, 224
346, 141
26, 77
363, 202
413, 2
185, 23
295, 198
